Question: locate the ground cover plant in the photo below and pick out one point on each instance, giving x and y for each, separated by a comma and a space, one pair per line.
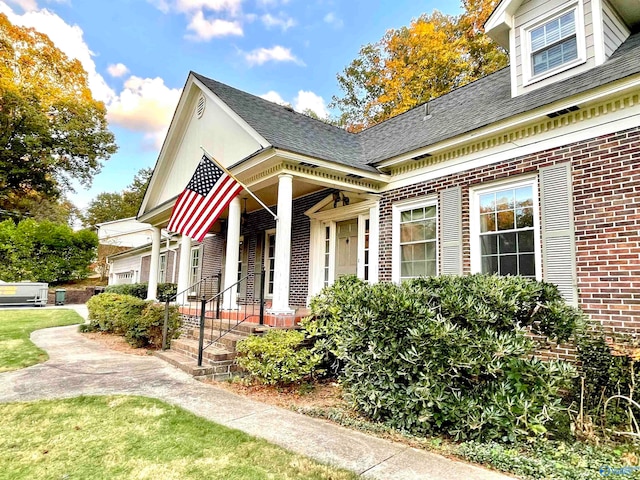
139, 321
121, 437
16, 349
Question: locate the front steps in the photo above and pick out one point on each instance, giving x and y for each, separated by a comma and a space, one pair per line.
218, 360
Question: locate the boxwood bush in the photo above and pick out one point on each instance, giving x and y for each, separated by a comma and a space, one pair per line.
447, 354
139, 321
278, 357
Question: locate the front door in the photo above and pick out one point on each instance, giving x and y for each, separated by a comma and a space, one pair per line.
346, 248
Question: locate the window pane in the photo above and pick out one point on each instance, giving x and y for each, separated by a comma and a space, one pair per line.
524, 197
430, 212
431, 268
488, 222
505, 220
418, 230
507, 243
527, 265
417, 214
508, 265
406, 253
524, 217
431, 251
419, 252
504, 200
405, 216
405, 232
488, 244
487, 202
525, 241
419, 269
406, 269
489, 264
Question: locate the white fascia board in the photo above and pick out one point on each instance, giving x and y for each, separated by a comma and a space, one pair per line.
337, 167
500, 22
514, 122
483, 159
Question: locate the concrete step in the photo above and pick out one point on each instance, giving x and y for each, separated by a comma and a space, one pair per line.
214, 353
229, 340
221, 371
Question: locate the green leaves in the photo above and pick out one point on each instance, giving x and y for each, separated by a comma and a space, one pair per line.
446, 354
44, 252
277, 357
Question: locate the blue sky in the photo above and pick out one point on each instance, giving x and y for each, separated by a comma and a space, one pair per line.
138, 54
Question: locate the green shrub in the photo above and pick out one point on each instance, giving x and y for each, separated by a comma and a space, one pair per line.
166, 291
277, 357
447, 354
139, 321
111, 312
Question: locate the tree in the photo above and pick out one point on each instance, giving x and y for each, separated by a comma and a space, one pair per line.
44, 251
108, 206
411, 65
51, 128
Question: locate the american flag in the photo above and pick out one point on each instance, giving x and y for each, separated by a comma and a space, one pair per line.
208, 193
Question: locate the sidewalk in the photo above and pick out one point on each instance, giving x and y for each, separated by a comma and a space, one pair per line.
78, 366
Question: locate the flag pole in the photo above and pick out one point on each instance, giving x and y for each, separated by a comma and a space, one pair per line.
210, 157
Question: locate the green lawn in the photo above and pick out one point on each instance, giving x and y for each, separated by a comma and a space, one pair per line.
16, 350
121, 437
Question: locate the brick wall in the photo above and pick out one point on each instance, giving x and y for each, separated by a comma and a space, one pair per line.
606, 192
253, 230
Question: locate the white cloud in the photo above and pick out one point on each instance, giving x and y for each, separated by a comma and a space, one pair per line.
283, 22
192, 6
69, 39
331, 19
271, 3
26, 5
274, 97
117, 70
306, 100
260, 56
207, 29
145, 105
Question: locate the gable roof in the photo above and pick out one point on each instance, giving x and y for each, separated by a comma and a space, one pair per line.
478, 104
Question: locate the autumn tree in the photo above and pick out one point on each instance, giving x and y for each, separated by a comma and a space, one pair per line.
52, 130
108, 206
411, 65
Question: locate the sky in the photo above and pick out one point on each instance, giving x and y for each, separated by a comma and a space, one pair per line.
138, 54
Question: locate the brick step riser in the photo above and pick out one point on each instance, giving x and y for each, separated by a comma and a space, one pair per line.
226, 341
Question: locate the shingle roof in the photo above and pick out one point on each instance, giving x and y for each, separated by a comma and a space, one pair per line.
289, 130
465, 109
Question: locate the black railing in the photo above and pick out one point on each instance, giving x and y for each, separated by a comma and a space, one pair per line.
242, 312
208, 286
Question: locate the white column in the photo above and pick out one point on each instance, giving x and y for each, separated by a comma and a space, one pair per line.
152, 289
374, 242
184, 269
231, 263
282, 268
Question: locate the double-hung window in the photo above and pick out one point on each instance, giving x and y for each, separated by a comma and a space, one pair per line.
554, 44
415, 240
162, 268
507, 230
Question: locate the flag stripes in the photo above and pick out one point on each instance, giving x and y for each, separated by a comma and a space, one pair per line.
206, 196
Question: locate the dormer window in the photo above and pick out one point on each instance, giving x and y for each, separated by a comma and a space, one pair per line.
553, 44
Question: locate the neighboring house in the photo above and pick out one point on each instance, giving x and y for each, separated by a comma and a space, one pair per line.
533, 170
133, 265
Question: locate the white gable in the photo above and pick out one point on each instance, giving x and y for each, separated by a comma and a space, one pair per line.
201, 119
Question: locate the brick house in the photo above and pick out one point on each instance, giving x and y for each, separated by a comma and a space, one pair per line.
532, 170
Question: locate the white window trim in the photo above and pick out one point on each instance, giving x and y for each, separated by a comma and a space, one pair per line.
198, 275
474, 218
525, 43
162, 273
396, 210
265, 258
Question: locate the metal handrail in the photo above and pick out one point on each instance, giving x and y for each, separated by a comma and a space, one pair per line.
216, 298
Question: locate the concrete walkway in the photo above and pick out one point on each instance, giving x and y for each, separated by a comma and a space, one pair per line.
78, 366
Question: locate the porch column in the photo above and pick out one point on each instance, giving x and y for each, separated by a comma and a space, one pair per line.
282, 268
152, 289
231, 263
183, 269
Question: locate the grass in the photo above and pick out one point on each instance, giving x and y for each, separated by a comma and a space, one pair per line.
16, 349
120, 437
